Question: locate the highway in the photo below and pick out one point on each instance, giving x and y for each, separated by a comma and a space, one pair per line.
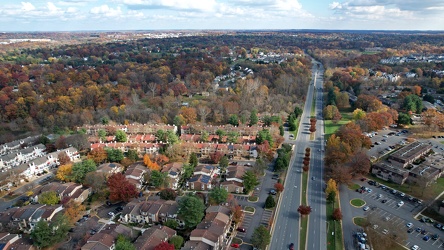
286, 227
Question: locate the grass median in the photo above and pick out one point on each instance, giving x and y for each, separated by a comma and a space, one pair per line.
334, 228
304, 219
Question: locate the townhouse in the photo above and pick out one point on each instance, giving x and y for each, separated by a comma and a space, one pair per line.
69, 190
154, 236
150, 212
134, 173
109, 169
174, 170
106, 238
202, 178
25, 218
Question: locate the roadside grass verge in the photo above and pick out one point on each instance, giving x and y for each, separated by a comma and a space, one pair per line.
304, 219
357, 202
330, 127
334, 229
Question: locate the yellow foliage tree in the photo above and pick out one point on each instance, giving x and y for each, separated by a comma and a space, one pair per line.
150, 164
64, 172
331, 186
73, 210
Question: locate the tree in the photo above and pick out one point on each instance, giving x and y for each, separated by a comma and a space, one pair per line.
171, 223
46, 234
63, 158
132, 155
264, 135
96, 181
331, 186
73, 210
150, 164
358, 114
250, 181
124, 244
64, 172
120, 136
404, 119
304, 210
191, 210
220, 133
102, 134
114, 154
177, 241
223, 164
164, 246
253, 117
120, 189
216, 157
270, 202
158, 179
48, 198
193, 160
331, 197
337, 215
79, 170
297, 111
218, 195
359, 163
168, 194
261, 237
279, 187
98, 155
233, 120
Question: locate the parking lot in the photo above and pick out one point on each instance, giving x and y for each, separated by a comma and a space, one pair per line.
383, 204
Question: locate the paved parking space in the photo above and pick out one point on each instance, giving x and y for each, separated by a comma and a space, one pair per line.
241, 197
245, 224
266, 217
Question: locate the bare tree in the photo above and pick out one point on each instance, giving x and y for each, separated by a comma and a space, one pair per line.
203, 112
153, 87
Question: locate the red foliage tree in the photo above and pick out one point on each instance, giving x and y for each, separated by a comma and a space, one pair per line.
305, 168
216, 156
279, 187
120, 189
337, 214
304, 210
164, 246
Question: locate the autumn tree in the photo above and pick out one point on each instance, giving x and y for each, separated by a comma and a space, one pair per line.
120, 189
63, 158
64, 172
189, 114
337, 214
98, 155
331, 186
216, 157
359, 163
164, 246
358, 114
304, 210
73, 209
237, 213
97, 182
168, 194
279, 187
150, 164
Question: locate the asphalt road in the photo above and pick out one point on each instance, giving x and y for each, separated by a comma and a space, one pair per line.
286, 227
317, 234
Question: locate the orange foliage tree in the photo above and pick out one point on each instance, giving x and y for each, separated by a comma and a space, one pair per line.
152, 165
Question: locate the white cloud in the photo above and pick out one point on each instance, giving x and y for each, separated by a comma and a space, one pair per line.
106, 11
191, 5
27, 6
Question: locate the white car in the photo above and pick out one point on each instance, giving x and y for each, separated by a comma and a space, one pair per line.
379, 196
366, 208
111, 214
414, 247
369, 190
385, 231
400, 203
409, 225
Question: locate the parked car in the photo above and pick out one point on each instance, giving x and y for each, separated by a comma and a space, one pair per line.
410, 230
409, 225
235, 245
414, 247
272, 192
426, 238
366, 208
435, 237
241, 229
400, 203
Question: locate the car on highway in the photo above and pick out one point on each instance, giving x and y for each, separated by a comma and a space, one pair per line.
291, 246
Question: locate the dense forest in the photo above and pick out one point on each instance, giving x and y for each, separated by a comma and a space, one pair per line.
54, 89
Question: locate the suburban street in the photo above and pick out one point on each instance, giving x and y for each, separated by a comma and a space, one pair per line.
286, 225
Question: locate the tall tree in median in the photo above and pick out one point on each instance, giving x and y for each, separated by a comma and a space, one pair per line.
261, 238
304, 210
191, 210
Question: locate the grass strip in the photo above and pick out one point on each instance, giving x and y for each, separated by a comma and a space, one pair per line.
304, 219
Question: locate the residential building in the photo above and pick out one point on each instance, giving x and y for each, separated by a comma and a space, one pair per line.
153, 236
174, 171
409, 153
134, 173
109, 169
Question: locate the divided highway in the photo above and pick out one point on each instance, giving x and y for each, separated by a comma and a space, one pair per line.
286, 225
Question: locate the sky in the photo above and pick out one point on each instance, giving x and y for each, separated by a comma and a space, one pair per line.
90, 15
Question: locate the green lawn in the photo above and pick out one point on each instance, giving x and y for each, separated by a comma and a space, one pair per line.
304, 188
354, 186
357, 202
360, 221
334, 230
303, 232
330, 127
